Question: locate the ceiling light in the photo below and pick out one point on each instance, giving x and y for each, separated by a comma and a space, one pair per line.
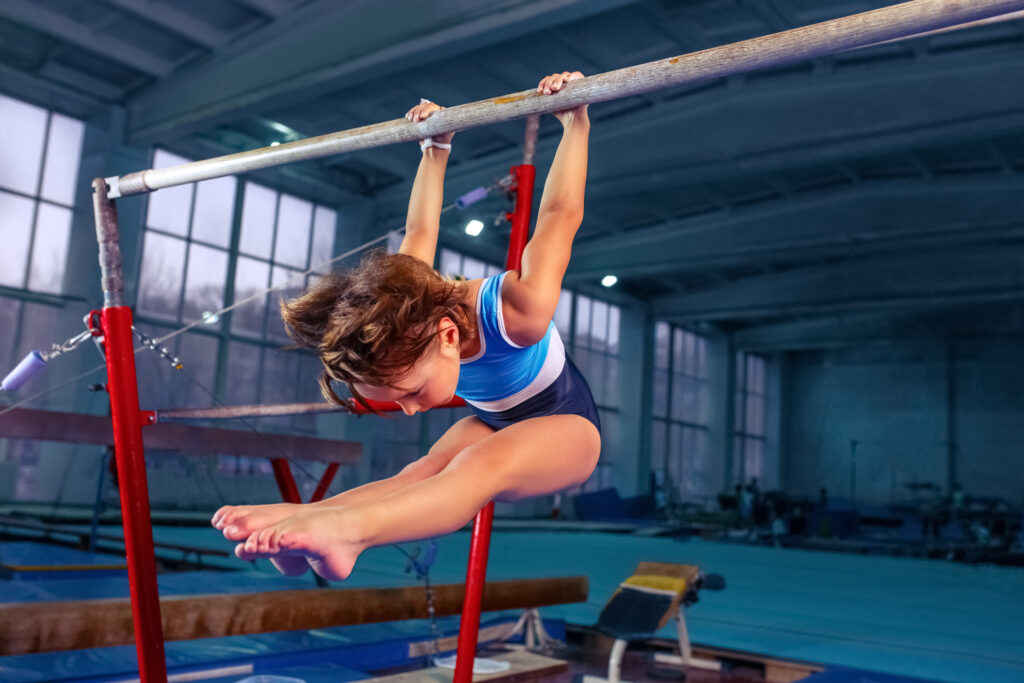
609, 280
474, 227
275, 143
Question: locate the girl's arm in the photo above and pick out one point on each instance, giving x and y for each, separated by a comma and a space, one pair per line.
423, 220
530, 299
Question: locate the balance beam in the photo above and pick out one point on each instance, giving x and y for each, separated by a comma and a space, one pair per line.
27, 628
48, 425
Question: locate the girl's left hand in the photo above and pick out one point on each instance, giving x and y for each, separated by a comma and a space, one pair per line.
552, 84
422, 112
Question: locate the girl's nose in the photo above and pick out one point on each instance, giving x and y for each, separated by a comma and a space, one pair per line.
407, 409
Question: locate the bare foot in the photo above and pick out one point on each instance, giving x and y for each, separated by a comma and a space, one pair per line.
289, 565
239, 522
330, 540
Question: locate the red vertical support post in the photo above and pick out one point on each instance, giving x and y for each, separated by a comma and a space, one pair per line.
285, 481
116, 321
325, 483
480, 543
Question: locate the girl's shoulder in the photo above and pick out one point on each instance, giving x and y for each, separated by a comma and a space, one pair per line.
470, 290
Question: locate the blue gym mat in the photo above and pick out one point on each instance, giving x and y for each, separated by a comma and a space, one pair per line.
903, 617
33, 561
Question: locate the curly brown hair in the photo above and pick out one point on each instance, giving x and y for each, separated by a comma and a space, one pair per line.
370, 324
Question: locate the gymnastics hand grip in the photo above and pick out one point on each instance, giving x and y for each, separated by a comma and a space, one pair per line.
29, 366
471, 197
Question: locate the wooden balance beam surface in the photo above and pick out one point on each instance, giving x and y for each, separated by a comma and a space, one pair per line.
27, 628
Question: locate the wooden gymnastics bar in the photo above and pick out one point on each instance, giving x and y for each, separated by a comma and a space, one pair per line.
276, 409
48, 425
27, 628
896, 22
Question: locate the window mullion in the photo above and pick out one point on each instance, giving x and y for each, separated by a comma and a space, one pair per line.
221, 370
35, 204
188, 254
270, 276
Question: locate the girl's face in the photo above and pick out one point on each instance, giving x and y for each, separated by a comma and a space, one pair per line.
430, 382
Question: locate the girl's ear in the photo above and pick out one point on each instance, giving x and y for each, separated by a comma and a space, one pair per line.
448, 332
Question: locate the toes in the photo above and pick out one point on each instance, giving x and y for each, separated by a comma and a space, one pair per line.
235, 533
251, 544
218, 517
242, 554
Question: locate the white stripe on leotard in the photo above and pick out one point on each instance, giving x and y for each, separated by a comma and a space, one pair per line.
554, 363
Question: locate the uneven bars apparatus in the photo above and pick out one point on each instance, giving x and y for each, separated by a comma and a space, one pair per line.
896, 22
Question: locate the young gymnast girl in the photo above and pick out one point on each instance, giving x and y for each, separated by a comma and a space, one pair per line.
392, 329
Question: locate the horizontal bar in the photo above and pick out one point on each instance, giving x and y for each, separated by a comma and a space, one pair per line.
998, 19
816, 40
272, 410
47, 425
231, 412
27, 628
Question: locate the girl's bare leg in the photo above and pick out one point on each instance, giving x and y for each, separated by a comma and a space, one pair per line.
531, 458
238, 522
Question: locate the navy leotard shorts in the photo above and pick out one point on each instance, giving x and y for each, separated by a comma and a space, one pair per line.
569, 394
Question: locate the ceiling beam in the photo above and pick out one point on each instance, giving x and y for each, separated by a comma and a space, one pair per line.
268, 8
860, 329
46, 93
326, 46
44, 20
869, 217
868, 284
175, 20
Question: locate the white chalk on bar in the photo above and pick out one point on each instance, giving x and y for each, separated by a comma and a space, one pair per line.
29, 366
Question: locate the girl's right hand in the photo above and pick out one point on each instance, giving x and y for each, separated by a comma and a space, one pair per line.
549, 85
421, 112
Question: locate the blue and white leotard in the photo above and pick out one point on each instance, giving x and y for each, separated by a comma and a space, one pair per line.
505, 383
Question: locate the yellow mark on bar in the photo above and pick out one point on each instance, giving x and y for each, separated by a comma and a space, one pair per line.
507, 99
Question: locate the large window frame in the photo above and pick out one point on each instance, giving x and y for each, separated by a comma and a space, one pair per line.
38, 185
239, 364
750, 424
681, 414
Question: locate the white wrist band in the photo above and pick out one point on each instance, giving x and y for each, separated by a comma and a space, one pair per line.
429, 142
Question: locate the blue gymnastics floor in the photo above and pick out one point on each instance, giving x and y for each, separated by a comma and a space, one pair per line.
921, 618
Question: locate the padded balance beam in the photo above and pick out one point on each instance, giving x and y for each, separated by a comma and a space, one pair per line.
27, 628
48, 425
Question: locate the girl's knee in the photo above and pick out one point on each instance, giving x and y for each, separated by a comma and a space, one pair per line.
427, 466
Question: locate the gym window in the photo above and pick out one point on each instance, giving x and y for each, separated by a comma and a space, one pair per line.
38, 175
680, 410
207, 245
750, 434
453, 263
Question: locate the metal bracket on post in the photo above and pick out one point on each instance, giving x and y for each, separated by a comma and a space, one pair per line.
113, 187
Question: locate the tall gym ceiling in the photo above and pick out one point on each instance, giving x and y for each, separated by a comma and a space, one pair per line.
871, 195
